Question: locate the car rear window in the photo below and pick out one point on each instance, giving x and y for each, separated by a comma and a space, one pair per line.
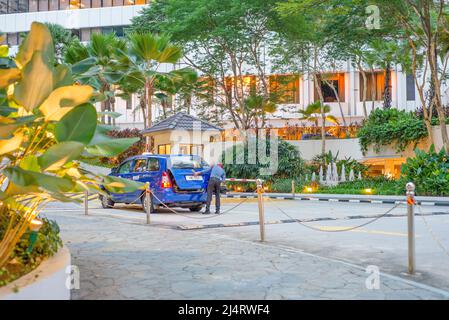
187, 162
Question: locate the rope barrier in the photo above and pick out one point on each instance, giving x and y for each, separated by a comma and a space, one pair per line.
339, 230
429, 228
191, 217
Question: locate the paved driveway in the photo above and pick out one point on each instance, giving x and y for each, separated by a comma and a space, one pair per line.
121, 258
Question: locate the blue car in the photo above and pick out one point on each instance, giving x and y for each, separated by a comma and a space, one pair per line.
171, 179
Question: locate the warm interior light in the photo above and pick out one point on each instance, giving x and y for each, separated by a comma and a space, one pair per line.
35, 225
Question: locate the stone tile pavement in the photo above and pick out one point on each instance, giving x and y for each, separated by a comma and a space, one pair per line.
128, 260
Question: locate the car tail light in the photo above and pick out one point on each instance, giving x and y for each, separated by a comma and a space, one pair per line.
166, 182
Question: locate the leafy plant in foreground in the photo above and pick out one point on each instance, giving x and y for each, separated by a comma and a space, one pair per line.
47, 124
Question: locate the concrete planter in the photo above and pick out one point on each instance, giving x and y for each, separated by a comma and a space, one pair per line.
46, 282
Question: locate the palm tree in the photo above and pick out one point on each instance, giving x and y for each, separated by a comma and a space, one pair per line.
147, 52
98, 64
313, 112
385, 54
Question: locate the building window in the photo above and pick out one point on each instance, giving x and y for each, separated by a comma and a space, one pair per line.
54, 5
284, 88
164, 149
85, 34
43, 5
191, 149
410, 87
247, 84
12, 39
375, 84
18, 6
129, 103
85, 4
332, 86
33, 6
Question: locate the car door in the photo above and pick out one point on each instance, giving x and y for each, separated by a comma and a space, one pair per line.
124, 171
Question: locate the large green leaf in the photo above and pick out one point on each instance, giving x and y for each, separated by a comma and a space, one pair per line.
36, 84
77, 125
25, 178
62, 76
85, 65
59, 154
120, 185
111, 114
109, 147
38, 39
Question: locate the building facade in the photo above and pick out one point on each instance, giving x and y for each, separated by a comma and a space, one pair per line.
342, 90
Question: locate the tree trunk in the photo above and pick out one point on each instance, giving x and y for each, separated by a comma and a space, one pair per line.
149, 99
437, 99
188, 102
387, 88
373, 89
103, 109
323, 116
334, 90
142, 104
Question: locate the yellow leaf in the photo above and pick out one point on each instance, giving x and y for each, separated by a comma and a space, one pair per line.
63, 99
8, 76
12, 144
7, 127
38, 39
36, 83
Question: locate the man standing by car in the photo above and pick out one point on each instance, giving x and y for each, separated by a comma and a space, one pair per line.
217, 176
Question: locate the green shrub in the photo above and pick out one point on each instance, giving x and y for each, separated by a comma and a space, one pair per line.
429, 171
46, 245
378, 186
386, 126
290, 163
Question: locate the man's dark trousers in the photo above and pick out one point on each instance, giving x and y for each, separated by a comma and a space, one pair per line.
213, 187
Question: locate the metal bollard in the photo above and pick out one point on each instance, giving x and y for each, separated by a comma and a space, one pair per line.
148, 202
86, 203
261, 209
293, 188
410, 187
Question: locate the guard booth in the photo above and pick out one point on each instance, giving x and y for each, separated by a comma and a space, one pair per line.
182, 134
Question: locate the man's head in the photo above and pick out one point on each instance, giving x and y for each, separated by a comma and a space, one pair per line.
220, 165
212, 163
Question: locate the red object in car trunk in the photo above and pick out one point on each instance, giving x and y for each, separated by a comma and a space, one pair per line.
165, 182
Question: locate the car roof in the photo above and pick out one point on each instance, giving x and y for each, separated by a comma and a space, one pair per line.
163, 156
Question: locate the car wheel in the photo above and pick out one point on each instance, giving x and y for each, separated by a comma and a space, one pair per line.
196, 208
144, 204
106, 202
